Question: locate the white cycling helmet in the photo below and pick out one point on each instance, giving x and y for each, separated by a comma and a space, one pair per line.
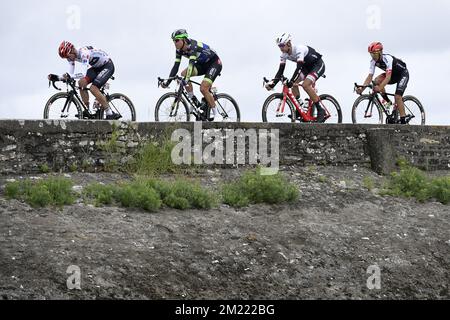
284, 38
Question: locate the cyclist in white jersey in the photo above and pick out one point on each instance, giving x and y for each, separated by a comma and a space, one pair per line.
310, 67
396, 72
101, 69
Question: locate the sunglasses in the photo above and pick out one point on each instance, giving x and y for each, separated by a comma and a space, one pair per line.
282, 45
176, 40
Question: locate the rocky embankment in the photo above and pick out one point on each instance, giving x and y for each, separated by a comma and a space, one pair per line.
319, 247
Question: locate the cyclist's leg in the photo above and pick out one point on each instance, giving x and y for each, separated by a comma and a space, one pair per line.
317, 71
378, 80
91, 74
295, 87
195, 72
103, 76
211, 74
313, 75
400, 91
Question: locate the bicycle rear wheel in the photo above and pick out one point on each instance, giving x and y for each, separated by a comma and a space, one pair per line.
121, 104
274, 110
168, 110
227, 108
415, 113
367, 110
333, 108
61, 106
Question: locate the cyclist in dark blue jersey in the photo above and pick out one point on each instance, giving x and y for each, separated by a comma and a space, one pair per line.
203, 60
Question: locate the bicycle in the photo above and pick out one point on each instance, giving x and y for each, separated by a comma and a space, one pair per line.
69, 105
177, 106
274, 108
365, 114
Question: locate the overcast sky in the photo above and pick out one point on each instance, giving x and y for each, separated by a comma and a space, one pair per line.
136, 34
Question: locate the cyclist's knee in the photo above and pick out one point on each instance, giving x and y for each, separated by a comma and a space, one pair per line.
183, 73
204, 87
307, 84
82, 83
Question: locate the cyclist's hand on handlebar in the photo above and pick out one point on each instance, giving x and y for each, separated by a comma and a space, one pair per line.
53, 77
290, 84
165, 84
65, 77
270, 85
359, 90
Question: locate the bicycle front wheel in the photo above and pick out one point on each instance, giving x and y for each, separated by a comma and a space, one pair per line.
61, 106
227, 109
121, 104
275, 110
415, 113
367, 110
170, 108
332, 107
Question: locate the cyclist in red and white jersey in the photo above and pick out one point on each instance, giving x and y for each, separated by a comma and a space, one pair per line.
309, 63
396, 72
100, 70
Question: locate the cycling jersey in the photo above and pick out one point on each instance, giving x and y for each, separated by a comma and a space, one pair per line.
198, 53
89, 56
307, 55
390, 64
308, 60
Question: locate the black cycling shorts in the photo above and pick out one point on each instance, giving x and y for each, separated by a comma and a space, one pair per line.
314, 72
211, 70
402, 83
99, 76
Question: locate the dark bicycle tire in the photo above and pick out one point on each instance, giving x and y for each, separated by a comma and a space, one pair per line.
120, 96
419, 105
270, 99
171, 95
327, 97
233, 102
360, 107
65, 96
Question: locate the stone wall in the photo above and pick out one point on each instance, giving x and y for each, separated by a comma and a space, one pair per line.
27, 146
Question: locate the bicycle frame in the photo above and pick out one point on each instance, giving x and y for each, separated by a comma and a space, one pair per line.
306, 116
182, 92
73, 95
376, 95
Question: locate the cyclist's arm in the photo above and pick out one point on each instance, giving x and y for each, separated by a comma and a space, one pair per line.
79, 75
192, 60
176, 67
279, 73
368, 80
298, 70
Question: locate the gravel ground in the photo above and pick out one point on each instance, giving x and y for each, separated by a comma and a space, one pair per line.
317, 248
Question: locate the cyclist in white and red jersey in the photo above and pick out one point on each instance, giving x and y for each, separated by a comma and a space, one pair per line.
396, 72
309, 63
101, 69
